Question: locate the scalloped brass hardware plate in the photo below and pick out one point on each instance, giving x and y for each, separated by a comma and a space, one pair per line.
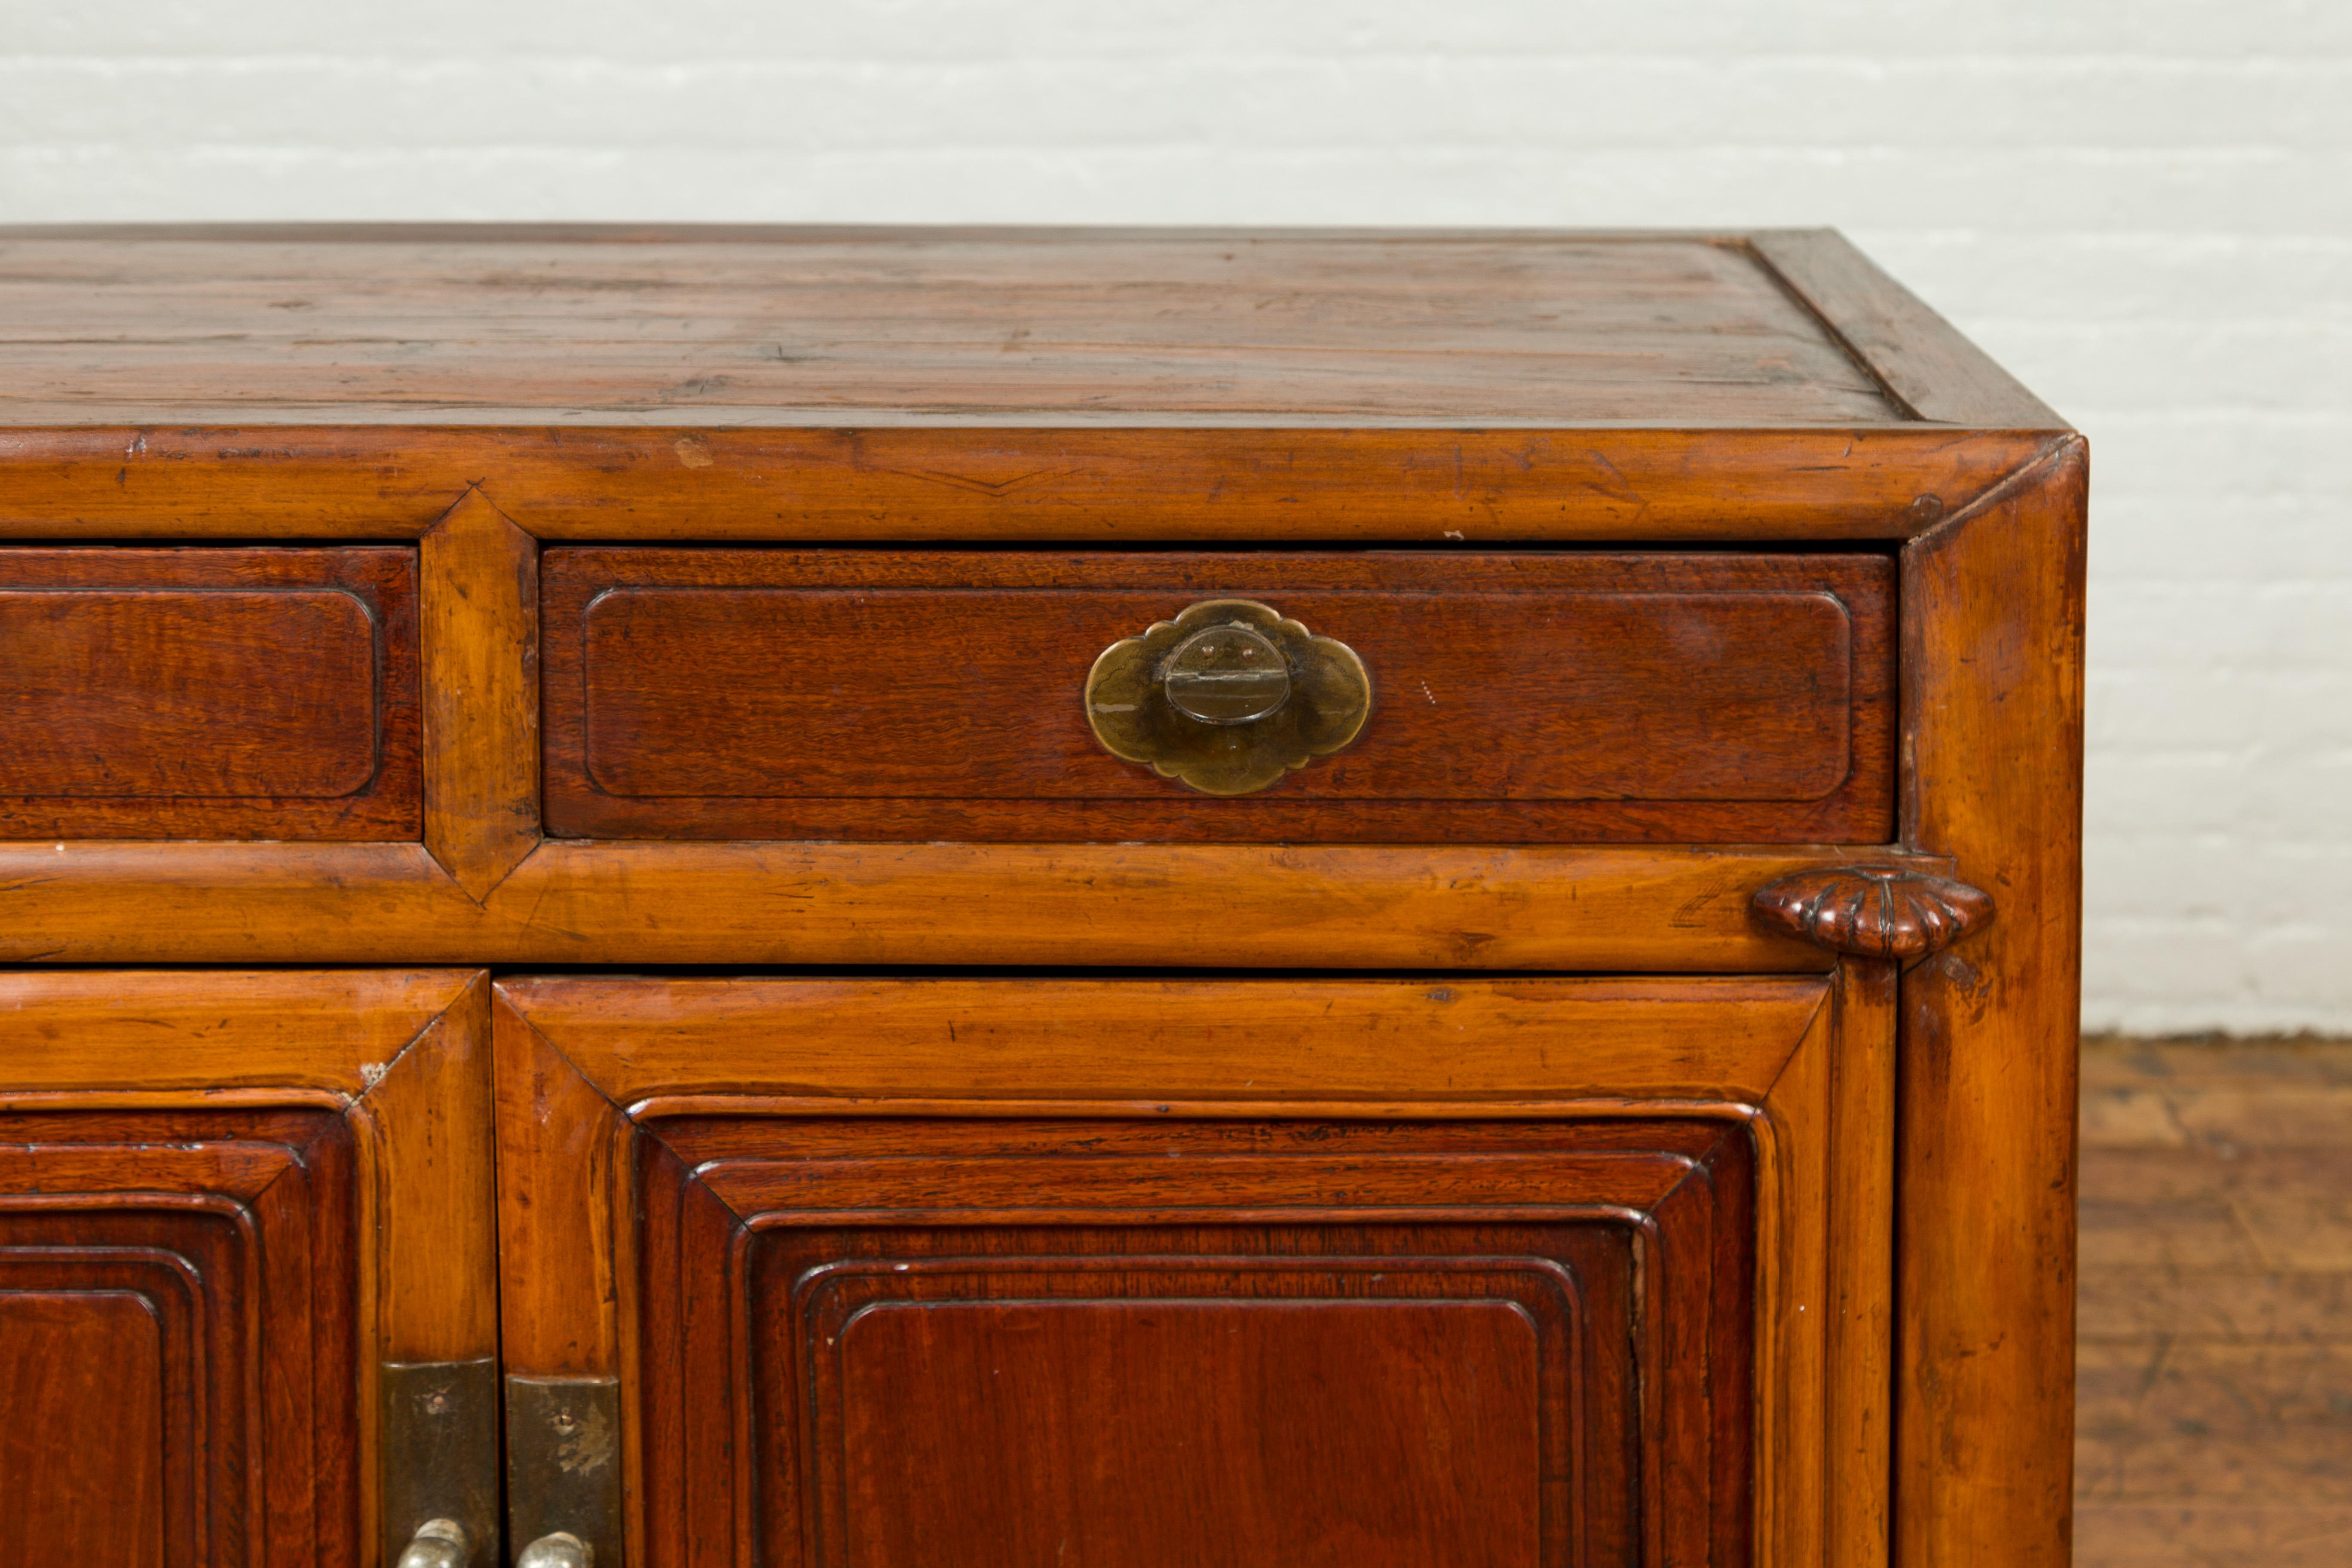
1228, 698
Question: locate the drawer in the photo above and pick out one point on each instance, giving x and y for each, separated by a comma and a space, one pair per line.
1196, 1271
1505, 697
209, 693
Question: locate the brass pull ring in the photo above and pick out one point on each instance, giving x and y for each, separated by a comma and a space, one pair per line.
1227, 698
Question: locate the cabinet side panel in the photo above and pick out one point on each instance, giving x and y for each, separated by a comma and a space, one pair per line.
1987, 1174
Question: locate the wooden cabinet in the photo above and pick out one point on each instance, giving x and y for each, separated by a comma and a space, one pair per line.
825, 898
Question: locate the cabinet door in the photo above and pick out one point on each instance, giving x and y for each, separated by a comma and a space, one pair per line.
226, 1200
1137, 1273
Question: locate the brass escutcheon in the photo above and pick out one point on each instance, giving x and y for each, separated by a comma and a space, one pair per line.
1228, 697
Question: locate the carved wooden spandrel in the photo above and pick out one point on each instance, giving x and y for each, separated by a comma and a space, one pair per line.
1873, 913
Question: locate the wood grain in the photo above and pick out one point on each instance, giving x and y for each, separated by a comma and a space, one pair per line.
1370, 1041
1330, 1480
2216, 1362
1063, 1159
480, 642
213, 1146
208, 693
1861, 1267
1408, 1431
327, 1035
768, 694
838, 326
555, 1130
233, 1232
1238, 485
437, 1243
1931, 371
1994, 662
1317, 907
775, 1202
1796, 1267
81, 1454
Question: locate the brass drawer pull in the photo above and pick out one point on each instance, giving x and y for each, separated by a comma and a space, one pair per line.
1228, 697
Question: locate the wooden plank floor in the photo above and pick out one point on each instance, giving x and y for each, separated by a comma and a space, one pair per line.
2214, 1413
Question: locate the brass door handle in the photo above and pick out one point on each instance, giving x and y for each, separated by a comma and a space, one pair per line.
437, 1544
1228, 698
559, 1550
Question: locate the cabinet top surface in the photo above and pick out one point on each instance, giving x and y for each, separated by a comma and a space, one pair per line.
720, 327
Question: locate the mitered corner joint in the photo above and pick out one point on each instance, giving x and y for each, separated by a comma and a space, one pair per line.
1874, 913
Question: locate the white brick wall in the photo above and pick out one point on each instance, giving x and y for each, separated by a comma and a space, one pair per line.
2144, 207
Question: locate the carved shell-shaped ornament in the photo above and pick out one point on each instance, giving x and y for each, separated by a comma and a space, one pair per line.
1227, 698
1874, 913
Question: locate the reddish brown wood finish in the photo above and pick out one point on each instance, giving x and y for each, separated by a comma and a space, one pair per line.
883, 694
1318, 1427
223, 1199
235, 1232
1404, 1343
213, 693
82, 1451
1032, 1176
1874, 913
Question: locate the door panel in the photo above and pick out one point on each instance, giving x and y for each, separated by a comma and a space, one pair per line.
1203, 1272
82, 1380
196, 1282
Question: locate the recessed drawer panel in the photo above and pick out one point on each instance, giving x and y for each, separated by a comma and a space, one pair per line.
207, 693
1369, 697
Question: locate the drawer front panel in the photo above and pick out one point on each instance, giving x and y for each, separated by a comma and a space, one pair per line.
723, 693
209, 693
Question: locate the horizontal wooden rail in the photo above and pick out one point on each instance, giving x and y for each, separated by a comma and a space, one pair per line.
1223, 906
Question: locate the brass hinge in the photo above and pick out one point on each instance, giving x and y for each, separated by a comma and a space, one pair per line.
564, 1467
441, 1459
